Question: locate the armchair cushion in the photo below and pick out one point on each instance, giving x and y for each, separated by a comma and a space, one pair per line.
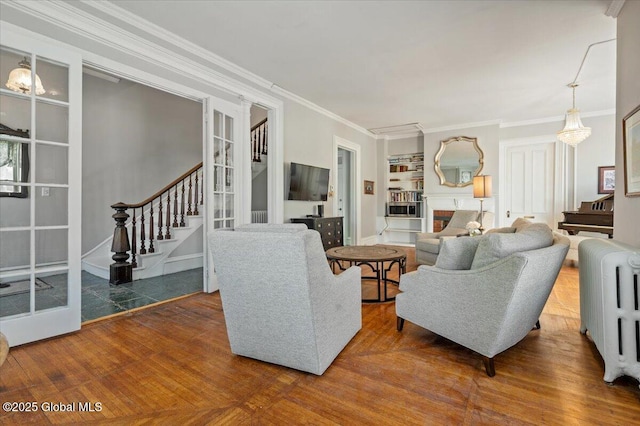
495, 246
457, 253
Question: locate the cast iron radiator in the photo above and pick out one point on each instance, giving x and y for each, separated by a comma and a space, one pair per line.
609, 304
259, 216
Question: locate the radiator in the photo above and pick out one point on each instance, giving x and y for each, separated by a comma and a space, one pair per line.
259, 216
609, 304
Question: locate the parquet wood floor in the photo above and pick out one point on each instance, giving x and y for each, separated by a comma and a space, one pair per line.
171, 364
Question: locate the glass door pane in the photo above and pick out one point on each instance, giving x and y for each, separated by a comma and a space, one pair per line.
223, 170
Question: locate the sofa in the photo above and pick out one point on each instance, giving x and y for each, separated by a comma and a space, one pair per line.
428, 244
487, 292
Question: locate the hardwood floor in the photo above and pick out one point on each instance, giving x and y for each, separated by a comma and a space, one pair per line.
171, 364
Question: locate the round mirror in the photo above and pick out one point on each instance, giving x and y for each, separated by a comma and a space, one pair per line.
458, 161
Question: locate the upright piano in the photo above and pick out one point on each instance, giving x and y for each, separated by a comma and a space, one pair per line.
593, 216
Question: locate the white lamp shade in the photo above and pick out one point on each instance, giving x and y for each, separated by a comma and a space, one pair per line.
20, 81
574, 132
481, 186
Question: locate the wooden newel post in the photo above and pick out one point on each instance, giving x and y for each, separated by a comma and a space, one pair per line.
121, 271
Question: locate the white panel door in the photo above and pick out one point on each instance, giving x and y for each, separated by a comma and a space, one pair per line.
530, 183
40, 207
223, 170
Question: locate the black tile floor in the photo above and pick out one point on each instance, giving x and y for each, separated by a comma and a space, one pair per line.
100, 299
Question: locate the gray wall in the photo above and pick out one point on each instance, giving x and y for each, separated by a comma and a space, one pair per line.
627, 210
136, 140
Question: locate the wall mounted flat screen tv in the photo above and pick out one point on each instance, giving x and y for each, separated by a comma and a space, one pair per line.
308, 183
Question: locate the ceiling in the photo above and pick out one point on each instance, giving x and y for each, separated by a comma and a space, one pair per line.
385, 63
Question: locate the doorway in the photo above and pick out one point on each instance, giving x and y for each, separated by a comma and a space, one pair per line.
345, 196
347, 188
533, 180
259, 164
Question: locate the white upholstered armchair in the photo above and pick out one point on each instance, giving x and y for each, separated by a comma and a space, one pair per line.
480, 296
281, 302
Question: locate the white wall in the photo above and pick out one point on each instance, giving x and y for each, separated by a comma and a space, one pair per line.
627, 210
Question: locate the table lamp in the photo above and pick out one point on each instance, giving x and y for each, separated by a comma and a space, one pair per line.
481, 190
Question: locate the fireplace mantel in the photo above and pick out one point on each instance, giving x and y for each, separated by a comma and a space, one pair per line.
453, 202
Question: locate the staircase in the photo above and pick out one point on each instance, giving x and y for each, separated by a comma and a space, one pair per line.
163, 230
158, 235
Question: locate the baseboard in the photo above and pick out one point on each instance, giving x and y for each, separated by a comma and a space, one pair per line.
369, 241
183, 263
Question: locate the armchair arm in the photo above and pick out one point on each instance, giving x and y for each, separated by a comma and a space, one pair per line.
426, 235
337, 312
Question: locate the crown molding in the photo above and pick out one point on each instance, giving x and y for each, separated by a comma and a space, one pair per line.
124, 15
462, 126
401, 136
614, 8
302, 101
399, 128
76, 21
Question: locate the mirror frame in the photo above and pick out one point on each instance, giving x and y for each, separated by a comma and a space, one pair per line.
443, 145
19, 191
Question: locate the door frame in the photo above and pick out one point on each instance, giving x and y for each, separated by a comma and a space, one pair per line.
563, 163
356, 186
36, 324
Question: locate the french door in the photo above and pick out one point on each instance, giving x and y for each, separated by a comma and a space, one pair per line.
223, 159
41, 174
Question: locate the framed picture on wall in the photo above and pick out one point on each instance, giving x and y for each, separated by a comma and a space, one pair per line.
606, 179
631, 149
368, 187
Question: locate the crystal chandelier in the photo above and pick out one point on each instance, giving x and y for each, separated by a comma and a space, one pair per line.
574, 132
20, 79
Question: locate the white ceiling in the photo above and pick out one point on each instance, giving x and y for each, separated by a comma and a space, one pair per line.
383, 63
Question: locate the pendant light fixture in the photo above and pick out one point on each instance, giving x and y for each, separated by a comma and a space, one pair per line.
20, 79
574, 132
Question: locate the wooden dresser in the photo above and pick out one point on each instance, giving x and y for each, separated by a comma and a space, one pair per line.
330, 229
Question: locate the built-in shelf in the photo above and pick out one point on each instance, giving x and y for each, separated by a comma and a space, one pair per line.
405, 183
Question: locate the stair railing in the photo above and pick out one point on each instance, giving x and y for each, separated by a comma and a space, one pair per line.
181, 197
259, 141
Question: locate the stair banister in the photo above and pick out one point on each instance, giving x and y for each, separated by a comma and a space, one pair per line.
120, 271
